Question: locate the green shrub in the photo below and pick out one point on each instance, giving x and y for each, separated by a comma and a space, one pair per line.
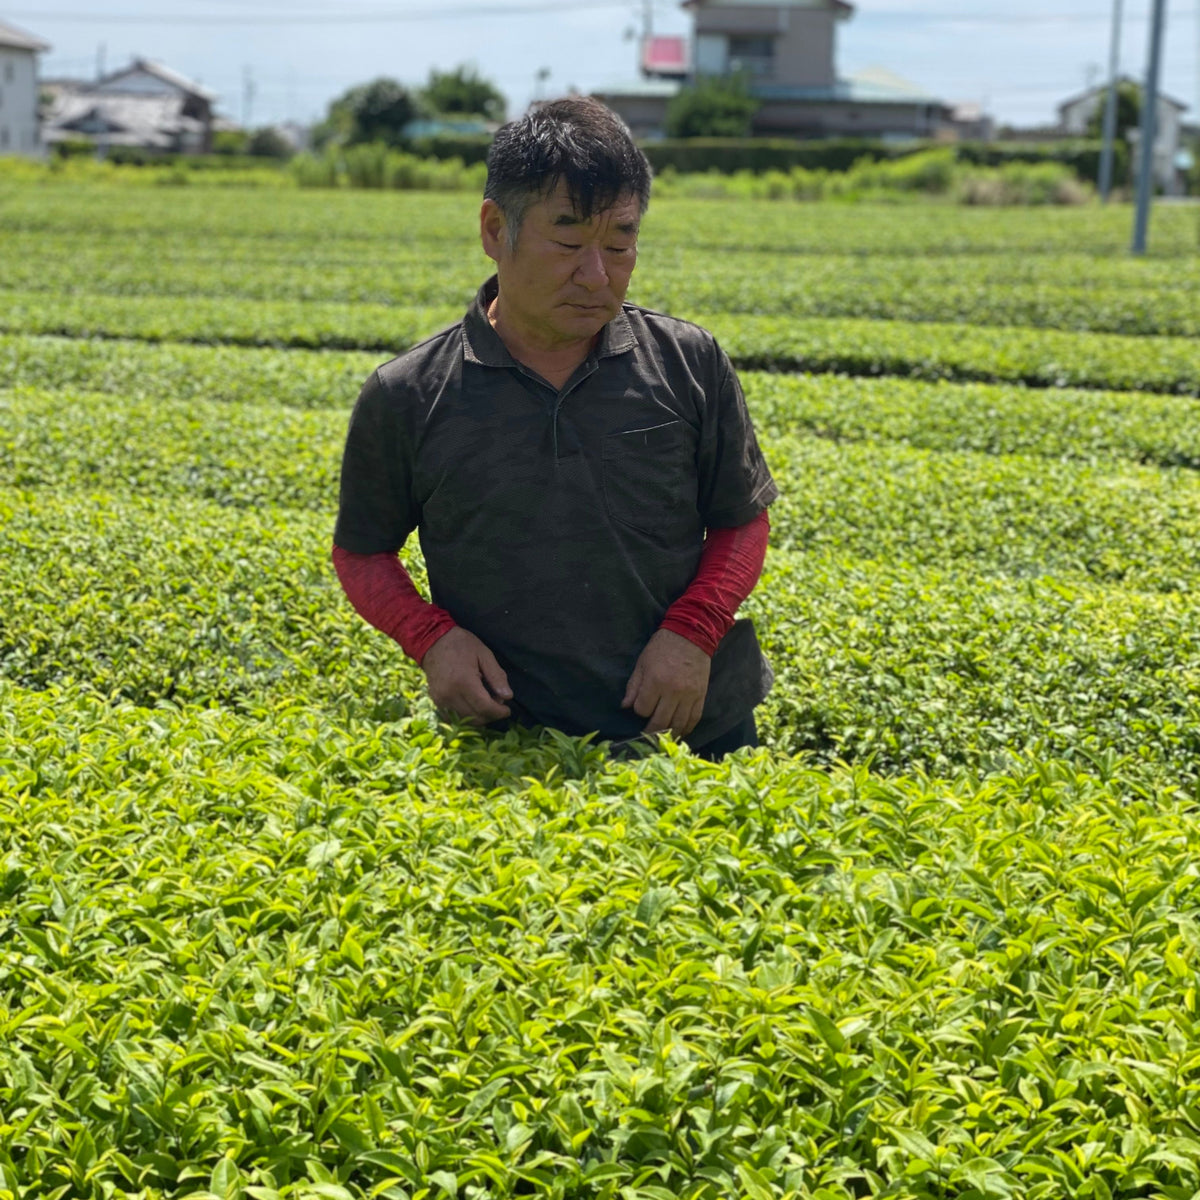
1022, 183
467, 149
712, 106
369, 165
315, 170
231, 141
1080, 155
74, 148
268, 142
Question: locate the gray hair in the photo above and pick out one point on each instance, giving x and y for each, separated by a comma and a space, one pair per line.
577, 141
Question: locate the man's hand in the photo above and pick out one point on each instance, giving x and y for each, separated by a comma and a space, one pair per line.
465, 679
668, 684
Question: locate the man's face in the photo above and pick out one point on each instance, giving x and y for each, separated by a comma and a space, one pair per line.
567, 277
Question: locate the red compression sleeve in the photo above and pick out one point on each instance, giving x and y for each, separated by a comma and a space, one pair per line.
384, 595
730, 564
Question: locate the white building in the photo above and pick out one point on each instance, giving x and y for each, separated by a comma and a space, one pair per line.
1075, 115
19, 91
787, 49
144, 106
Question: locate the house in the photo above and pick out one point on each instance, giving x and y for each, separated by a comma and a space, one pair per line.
145, 106
1076, 115
19, 132
787, 52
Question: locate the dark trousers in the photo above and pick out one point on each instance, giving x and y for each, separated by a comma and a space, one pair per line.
744, 733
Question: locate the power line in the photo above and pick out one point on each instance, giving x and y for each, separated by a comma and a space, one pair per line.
388, 15
378, 16
1009, 18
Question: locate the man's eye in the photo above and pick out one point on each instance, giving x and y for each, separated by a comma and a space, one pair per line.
567, 245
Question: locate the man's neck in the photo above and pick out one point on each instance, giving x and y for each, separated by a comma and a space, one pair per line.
554, 363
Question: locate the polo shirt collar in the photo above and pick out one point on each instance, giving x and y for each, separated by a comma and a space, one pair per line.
482, 344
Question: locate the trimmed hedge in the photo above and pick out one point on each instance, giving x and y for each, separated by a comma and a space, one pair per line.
467, 149
727, 155
1081, 155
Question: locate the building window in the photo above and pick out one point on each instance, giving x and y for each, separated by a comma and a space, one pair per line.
712, 54
754, 54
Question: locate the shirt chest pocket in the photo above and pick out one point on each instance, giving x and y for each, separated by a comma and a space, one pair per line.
650, 478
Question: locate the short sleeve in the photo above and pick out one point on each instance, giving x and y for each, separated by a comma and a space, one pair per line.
735, 483
375, 508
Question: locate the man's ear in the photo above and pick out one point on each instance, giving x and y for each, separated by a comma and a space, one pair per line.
493, 230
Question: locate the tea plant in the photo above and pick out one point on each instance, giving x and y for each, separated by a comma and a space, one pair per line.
268, 928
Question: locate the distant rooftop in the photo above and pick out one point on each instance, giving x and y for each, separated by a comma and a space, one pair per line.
881, 85
10, 35
145, 66
868, 87
1103, 88
842, 8
651, 88
874, 86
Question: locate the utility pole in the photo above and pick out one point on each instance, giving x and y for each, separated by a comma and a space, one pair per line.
100, 55
1145, 183
247, 97
1110, 106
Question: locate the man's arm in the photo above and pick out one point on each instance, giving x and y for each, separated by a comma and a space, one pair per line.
463, 675
670, 680
730, 565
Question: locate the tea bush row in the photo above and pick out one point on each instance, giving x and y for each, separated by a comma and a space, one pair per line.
181, 371
1059, 423
1037, 357
276, 956
268, 929
361, 224
1064, 423
945, 663
1058, 291
255, 383
1041, 358
1022, 514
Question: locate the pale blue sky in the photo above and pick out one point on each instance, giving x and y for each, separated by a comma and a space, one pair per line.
1018, 57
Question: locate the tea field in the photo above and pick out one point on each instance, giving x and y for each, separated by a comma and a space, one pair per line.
269, 929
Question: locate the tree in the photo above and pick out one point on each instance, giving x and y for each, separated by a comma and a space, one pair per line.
268, 142
715, 106
1129, 111
372, 112
463, 90
230, 141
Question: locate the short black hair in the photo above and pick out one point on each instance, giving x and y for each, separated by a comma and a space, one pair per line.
578, 141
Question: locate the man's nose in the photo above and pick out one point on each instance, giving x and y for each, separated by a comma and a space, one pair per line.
591, 272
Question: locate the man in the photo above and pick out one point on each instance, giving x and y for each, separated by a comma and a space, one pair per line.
582, 473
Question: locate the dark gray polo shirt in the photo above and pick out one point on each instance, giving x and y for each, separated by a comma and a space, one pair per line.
559, 525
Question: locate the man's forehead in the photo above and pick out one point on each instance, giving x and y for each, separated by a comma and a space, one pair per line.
562, 210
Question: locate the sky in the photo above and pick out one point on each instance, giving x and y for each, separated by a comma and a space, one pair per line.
276, 60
